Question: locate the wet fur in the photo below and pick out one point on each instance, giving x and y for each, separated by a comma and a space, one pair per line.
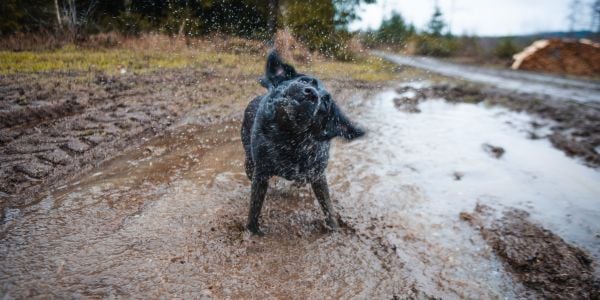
287, 133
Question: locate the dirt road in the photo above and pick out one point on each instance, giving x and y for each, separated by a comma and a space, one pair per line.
165, 218
547, 86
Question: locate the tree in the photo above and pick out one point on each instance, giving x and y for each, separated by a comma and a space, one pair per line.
77, 15
394, 30
574, 14
437, 24
11, 16
25, 15
345, 11
596, 16
321, 24
311, 21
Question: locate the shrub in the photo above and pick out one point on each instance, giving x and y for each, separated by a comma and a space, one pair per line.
441, 46
506, 49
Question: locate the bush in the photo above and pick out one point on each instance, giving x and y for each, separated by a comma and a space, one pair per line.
506, 49
440, 46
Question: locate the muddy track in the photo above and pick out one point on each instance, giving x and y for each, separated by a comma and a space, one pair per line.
139, 189
167, 219
55, 126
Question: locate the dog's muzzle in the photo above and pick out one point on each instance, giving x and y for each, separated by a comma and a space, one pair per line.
301, 93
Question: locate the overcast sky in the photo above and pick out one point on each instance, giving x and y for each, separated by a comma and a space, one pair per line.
481, 17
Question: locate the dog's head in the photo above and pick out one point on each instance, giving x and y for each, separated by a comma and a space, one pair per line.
300, 103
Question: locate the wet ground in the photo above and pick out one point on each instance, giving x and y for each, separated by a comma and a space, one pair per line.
440, 158
165, 218
134, 185
539, 258
54, 126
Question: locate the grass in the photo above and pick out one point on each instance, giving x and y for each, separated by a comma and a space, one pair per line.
111, 61
370, 69
140, 59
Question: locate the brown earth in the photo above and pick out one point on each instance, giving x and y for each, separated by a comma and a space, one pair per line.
172, 225
543, 261
55, 126
58, 126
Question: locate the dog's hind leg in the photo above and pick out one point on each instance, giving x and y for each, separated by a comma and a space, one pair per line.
321, 191
259, 190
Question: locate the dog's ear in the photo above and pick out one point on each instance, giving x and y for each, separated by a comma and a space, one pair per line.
276, 71
337, 124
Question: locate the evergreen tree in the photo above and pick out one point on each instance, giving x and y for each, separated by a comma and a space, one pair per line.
394, 30
437, 24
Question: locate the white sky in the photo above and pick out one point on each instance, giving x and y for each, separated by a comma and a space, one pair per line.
481, 17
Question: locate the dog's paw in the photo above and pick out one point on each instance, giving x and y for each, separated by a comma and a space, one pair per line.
332, 225
255, 230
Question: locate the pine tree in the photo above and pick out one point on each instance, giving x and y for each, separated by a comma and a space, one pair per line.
437, 24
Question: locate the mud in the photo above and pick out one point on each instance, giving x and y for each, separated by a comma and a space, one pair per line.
437, 155
142, 193
59, 125
165, 220
493, 151
543, 261
576, 125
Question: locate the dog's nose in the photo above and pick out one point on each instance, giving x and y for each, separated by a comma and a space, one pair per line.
310, 94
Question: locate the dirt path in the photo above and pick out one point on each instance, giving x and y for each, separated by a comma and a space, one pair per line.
547, 86
166, 220
165, 217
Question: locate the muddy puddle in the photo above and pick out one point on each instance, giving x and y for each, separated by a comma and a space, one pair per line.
448, 151
166, 220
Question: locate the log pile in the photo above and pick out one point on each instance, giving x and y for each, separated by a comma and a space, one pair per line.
560, 56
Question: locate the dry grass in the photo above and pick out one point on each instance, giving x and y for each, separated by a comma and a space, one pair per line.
112, 54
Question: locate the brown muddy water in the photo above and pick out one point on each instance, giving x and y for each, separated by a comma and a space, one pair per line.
166, 220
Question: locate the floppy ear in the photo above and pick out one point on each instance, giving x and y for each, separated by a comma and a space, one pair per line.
337, 124
276, 71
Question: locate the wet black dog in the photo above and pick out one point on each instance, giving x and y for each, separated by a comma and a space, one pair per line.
287, 133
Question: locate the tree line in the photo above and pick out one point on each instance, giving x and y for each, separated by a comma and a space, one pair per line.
320, 24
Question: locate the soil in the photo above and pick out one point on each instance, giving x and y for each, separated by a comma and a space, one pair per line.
113, 186
56, 126
165, 219
575, 130
540, 259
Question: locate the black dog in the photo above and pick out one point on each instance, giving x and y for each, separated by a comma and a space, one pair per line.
287, 133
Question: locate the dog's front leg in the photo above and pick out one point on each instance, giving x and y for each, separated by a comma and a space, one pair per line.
259, 189
321, 191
